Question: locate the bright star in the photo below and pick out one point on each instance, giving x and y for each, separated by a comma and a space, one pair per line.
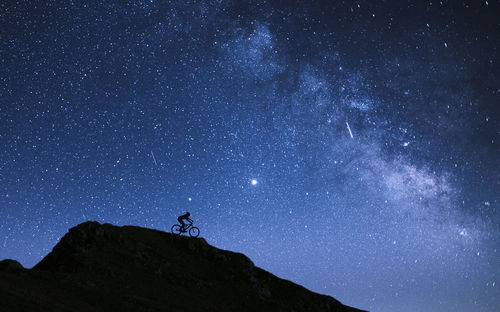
254, 182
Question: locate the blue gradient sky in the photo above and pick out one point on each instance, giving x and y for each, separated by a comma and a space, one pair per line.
372, 130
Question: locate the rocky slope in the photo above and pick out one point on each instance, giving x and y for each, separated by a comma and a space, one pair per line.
107, 268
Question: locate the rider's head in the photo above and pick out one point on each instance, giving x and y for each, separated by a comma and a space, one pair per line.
188, 214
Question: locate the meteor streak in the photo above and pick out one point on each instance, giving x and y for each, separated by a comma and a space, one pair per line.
349, 128
154, 159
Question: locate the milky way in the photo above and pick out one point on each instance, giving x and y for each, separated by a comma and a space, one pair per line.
351, 147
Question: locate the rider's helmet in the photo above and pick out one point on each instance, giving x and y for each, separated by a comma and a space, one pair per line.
188, 214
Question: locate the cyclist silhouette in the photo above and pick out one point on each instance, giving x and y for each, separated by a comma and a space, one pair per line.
182, 218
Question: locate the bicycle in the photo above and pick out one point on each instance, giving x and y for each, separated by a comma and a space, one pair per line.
189, 228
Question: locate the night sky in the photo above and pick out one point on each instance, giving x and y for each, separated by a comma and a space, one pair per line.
351, 147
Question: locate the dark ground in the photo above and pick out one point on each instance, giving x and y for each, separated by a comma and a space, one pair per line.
107, 268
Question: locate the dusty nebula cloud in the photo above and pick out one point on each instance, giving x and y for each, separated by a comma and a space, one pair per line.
351, 147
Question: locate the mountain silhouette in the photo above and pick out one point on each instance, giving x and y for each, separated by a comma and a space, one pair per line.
101, 267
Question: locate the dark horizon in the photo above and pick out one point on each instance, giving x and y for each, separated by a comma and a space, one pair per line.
350, 147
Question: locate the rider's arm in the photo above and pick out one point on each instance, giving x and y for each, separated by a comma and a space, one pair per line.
189, 219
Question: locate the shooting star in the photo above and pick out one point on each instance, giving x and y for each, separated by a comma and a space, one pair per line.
349, 128
154, 159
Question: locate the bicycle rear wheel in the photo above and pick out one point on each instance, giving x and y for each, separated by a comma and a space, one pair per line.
176, 229
194, 231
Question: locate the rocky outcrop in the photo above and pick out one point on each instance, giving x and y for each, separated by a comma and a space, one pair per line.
78, 241
10, 265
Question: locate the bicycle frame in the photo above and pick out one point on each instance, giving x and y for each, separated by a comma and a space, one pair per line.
189, 228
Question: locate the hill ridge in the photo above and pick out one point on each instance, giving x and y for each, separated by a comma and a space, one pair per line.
104, 267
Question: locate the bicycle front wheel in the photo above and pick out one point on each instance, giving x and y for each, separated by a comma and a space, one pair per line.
194, 231
176, 229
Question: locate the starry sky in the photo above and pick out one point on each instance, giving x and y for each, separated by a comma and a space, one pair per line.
349, 146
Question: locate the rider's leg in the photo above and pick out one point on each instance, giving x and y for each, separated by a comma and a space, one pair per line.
182, 224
